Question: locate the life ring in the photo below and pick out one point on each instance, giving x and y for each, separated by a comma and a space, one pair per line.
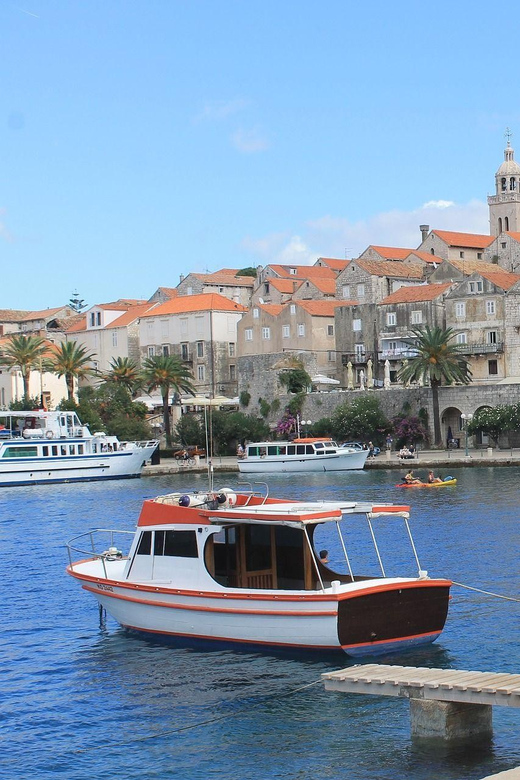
49, 435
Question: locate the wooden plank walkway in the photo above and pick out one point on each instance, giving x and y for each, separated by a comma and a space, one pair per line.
410, 682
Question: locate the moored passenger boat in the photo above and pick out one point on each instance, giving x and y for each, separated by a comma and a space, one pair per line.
39, 446
309, 454
242, 568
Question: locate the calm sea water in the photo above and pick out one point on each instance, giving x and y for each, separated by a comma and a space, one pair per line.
80, 700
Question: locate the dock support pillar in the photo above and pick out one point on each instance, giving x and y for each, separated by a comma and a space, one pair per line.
450, 720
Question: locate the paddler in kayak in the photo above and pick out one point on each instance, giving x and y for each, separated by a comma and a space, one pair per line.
410, 479
433, 480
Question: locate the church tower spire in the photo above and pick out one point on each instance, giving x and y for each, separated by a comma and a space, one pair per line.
504, 205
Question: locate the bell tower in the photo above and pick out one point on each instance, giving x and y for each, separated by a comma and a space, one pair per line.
504, 205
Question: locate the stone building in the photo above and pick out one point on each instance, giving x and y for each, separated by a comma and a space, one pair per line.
225, 282
202, 330
110, 331
476, 310
504, 205
369, 281
400, 313
451, 245
382, 253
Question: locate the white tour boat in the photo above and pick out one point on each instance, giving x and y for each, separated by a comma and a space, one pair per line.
41, 446
241, 568
308, 454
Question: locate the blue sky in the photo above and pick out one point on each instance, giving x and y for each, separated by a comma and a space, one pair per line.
144, 139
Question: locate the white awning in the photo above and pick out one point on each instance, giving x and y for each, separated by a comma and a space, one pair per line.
321, 379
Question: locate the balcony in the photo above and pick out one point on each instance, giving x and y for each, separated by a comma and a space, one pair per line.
357, 358
401, 353
481, 349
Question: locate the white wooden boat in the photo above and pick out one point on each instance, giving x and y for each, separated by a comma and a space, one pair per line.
308, 454
40, 446
241, 568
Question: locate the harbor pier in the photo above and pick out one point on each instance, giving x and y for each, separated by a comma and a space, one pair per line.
444, 703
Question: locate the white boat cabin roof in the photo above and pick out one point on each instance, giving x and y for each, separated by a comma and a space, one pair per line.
248, 509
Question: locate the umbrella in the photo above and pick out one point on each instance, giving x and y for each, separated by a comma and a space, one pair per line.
321, 379
201, 400
350, 376
386, 381
361, 380
370, 375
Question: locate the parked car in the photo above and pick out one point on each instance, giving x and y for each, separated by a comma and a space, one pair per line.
356, 445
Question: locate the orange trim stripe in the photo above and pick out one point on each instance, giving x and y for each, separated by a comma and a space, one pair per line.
225, 610
264, 596
397, 639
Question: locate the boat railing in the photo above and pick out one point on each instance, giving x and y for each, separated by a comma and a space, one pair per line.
90, 543
145, 444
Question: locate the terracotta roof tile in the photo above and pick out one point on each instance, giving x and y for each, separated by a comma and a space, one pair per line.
225, 278
516, 236
335, 264
284, 285
500, 278
416, 293
470, 266
320, 308
12, 315
326, 286
120, 305
270, 308
133, 313
470, 240
186, 303
427, 257
392, 268
43, 314
171, 292
391, 252
79, 325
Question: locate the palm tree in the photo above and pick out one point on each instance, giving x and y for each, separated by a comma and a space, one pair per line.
24, 353
167, 372
72, 361
124, 372
437, 360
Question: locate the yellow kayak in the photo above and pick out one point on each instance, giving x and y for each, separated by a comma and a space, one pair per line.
428, 484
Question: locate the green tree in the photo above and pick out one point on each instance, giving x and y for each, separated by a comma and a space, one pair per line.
77, 303
295, 380
228, 428
71, 360
249, 271
492, 421
190, 430
165, 373
361, 418
124, 371
438, 360
24, 353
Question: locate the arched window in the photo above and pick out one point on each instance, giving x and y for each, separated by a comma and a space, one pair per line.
512, 183
504, 184
506, 220
432, 251
500, 224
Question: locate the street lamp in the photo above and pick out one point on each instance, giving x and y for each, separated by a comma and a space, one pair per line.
466, 419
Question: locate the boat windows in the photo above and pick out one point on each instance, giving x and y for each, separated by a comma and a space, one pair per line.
63, 449
20, 452
54, 449
309, 449
319, 445
300, 449
45, 451
276, 450
291, 449
180, 544
258, 547
81, 449
72, 449
145, 543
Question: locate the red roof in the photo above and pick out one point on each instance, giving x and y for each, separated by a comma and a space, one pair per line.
469, 240
393, 268
203, 302
332, 262
283, 285
500, 278
78, 326
270, 308
416, 293
320, 308
427, 257
326, 286
226, 277
133, 313
516, 236
391, 252
470, 266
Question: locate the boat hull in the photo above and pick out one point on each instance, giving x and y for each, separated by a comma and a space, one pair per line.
79, 468
349, 461
366, 621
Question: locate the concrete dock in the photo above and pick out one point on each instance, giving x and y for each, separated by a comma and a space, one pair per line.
427, 459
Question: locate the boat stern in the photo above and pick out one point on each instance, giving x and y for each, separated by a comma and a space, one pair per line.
386, 618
